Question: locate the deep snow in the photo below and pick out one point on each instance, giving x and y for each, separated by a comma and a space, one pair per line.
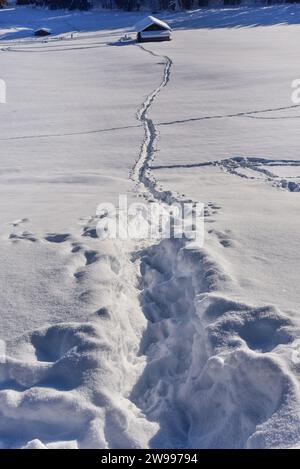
143, 344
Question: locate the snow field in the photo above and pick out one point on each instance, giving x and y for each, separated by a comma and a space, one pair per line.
162, 344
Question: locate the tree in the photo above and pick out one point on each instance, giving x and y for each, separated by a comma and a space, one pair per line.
175, 5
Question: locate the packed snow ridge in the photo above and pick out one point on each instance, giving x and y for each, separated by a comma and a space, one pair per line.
164, 359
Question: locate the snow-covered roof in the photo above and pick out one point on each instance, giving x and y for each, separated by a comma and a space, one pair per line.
141, 25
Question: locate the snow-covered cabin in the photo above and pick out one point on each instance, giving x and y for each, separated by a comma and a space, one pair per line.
152, 29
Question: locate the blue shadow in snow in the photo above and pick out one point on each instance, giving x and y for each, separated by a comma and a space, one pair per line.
236, 17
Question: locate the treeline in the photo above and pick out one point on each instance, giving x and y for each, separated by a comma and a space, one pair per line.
153, 5
136, 5
157, 5
59, 4
127, 5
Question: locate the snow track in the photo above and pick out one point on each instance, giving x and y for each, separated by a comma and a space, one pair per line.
252, 168
213, 378
141, 172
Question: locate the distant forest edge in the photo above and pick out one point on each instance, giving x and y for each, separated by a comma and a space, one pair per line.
136, 5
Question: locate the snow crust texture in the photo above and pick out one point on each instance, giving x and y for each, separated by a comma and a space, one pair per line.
156, 354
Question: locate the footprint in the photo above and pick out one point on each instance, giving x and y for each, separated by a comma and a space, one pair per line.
224, 238
15, 237
57, 237
76, 247
214, 206
91, 257
103, 312
80, 274
19, 222
89, 232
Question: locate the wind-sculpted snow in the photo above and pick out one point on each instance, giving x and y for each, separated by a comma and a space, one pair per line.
216, 375
66, 385
204, 371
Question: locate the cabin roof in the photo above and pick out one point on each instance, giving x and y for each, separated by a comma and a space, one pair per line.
146, 22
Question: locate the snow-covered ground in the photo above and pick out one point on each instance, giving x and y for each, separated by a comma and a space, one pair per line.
150, 344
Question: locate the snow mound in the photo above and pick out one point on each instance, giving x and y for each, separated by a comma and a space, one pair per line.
219, 372
67, 385
203, 371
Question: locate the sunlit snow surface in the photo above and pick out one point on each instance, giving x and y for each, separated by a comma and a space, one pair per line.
140, 344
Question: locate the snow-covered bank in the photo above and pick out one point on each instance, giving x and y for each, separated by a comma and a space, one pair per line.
19, 23
142, 344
